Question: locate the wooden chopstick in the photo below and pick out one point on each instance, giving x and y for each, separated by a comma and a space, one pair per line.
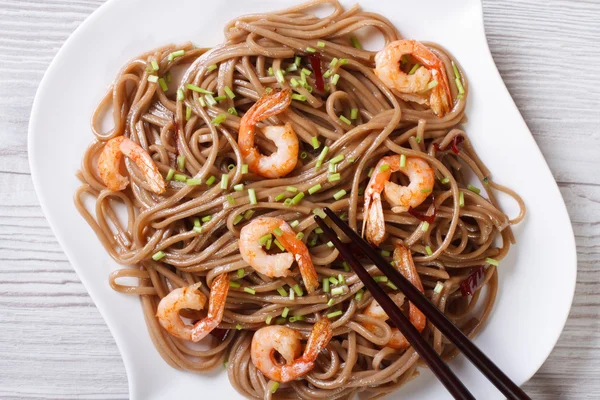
435, 316
456, 388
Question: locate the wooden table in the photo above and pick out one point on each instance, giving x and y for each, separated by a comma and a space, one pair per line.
55, 345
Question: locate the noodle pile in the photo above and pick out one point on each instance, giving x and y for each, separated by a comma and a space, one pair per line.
183, 135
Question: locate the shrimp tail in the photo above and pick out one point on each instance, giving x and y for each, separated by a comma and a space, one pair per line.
373, 221
269, 105
216, 308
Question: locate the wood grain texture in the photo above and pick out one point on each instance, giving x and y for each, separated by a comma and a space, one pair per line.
55, 345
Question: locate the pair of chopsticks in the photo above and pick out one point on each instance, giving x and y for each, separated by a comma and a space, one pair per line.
443, 372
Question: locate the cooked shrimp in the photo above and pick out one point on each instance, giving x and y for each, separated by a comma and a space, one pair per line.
109, 164
286, 341
282, 161
406, 266
191, 298
387, 68
401, 198
277, 265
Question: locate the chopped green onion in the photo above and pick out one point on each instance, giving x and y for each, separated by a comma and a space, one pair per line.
425, 226
229, 92
294, 83
418, 139
298, 290
292, 68
234, 284
414, 69
270, 71
206, 218
201, 101
278, 244
299, 235
197, 229
431, 85
197, 89
224, 181
279, 76
306, 72
230, 167
180, 178
238, 327
318, 231
474, 189
282, 292
341, 279
303, 155
337, 291
174, 54
346, 266
163, 85
285, 312
210, 100
402, 160
310, 50
193, 182
333, 63
239, 187
240, 273
170, 174
438, 287
343, 216
230, 199
197, 222
188, 113
168, 77
211, 68
445, 180
334, 314
315, 142
339, 194
249, 290
343, 61
332, 168
294, 223
428, 250
384, 167
244, 168
459, 86
337, 159
334, 177
391, 285
314, 189
358, 296
331, 302
321, 44
380, 278
263, 239
385, 253
180, 95
333, 280
237, 219
354, 113
320, 213
280, 197
355, 42
323, 154
455, 68
288, 202
248, 214
291, 189
299, 97
425, 190
292, 294
277, 231
252, 196
345, 120
181, 163
327, 73
335, 79
268, 322
298, 198
297, 318
370, 172
326, 285
160, 254
154, 65
220, 98
492, 261
211, 180
461, 199
152, 78
298, 60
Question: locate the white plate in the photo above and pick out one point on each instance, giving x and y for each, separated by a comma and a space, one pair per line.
537, 279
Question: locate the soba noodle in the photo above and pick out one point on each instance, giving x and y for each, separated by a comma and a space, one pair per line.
177, 124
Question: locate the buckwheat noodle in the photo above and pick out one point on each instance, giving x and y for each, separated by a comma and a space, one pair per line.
168, 124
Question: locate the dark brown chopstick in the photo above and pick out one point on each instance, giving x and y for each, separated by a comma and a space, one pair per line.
437, 318
433, 360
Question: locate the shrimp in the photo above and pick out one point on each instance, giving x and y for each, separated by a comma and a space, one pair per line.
387, 68
406, 266
282, 161
191, 298
109, 163
277, 265
266, 341
401, 198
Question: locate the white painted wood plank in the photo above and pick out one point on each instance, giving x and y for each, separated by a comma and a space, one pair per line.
55, 345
